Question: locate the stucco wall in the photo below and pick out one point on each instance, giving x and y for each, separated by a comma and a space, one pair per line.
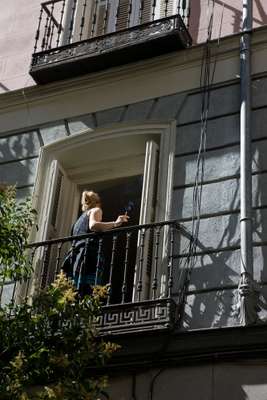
234, 381
213, 282
18, 24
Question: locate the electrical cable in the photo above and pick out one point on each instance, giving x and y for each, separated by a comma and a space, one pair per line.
133, 394
153, 380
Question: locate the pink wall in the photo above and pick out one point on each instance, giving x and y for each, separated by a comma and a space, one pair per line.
18, 23
227, 17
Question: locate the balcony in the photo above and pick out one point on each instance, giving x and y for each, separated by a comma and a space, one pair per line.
77, 37
140, 268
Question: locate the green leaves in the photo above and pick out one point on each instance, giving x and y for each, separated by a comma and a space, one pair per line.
16, 220
47, 348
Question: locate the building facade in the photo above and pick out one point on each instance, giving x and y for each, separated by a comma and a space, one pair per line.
128, 99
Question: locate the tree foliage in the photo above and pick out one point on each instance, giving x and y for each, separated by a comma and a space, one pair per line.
16, 220
48, 345
48, 348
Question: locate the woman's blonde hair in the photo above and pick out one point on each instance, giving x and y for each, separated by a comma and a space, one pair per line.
90, 199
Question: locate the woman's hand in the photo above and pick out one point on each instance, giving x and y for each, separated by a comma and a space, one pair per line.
120, 220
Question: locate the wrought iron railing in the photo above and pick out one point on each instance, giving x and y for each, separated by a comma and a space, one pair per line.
138, 264
62, 22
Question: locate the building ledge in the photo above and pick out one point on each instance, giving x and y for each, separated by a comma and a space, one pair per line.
172, 347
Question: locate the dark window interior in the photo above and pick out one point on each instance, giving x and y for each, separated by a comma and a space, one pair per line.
117, 196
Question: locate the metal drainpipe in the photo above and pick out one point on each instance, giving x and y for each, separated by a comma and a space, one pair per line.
247, 291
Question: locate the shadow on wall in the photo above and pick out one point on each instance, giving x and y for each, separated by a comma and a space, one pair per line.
3, 88
213, 306
215, 274
194, 21
225, 13
262, 13
18, 159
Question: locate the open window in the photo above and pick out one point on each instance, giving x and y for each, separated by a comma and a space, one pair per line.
99, 17
54, 222
142, 154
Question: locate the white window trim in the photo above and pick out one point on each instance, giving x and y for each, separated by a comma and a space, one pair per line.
166, 132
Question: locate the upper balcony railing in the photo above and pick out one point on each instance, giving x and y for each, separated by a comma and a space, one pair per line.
63, 22
138, 263
69, 29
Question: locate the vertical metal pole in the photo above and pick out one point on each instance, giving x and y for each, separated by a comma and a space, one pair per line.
248, 313
245, 144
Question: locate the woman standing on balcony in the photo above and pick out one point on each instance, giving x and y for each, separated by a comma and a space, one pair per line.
83, 263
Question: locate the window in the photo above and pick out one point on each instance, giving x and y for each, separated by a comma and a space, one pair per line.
102, 156
99, 17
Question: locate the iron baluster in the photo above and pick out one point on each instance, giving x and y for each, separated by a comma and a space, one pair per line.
170, 262
72, 257
51, 30
166, 8
51, 36
27, 288
72, 20
59, 248
130, 7
29, 278
117, 15
83, 19
114, 242
12, 297
179, 7
44, 269
86, 252
154, 9
48, 31
156, 258
99, 255
38, 30
183, 9
44, 43
2, 289
188, 10
59, 29
141, 263
14, 291
141, 9
94, 20
105, 22
125, 272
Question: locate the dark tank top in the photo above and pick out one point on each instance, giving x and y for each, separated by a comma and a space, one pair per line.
81, 226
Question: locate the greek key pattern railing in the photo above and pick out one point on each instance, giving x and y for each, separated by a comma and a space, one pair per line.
147, 315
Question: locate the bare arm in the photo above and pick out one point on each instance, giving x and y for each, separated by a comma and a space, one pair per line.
96, 224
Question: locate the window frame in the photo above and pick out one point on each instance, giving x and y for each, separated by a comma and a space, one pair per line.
166, 134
